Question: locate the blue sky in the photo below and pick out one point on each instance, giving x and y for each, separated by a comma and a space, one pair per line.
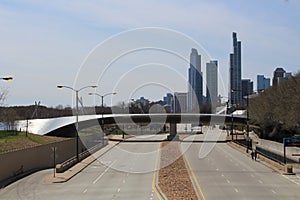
44, 43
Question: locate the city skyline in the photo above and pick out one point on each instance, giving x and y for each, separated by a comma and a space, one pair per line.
45, 43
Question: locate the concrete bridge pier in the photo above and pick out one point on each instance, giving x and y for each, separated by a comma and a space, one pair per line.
173, 132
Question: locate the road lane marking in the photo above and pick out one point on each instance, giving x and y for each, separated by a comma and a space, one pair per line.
124, 181
252, 176
236, 190
222, 175
293, 180
227, 181
119, 189
97, 179
84, 191
154, 175
217, 169
273, 192
190, 169
260, 181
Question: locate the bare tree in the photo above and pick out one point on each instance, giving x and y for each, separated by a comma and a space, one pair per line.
3, 95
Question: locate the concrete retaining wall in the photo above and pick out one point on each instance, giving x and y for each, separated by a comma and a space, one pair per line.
13, 164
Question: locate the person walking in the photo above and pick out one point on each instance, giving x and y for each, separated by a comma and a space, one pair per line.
252, 155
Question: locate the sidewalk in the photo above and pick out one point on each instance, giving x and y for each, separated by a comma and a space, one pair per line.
73, 171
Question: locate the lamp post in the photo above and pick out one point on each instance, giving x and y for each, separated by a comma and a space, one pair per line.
102, 97
77, 123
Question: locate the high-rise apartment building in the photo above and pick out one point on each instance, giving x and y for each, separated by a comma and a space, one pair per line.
212, 82
263, 83
278, 75
180, 102
195, 84
235, 72
247, 87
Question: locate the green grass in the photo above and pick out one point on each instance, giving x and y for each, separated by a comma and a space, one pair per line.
12, 141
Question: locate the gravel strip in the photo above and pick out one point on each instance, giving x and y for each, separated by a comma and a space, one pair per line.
174, 179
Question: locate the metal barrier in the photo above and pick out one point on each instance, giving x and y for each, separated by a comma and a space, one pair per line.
72, 161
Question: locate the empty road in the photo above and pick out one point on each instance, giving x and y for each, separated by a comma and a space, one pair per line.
226, 173
127, 171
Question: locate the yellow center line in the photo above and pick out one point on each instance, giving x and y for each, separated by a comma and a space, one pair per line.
190, 169
154, 176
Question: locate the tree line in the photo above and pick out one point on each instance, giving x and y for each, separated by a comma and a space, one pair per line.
277, 110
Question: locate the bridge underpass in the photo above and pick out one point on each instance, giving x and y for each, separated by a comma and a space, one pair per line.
65, 126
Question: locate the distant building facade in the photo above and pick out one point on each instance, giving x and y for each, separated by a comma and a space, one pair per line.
263, 83
168, 102
212, 82
180, 102
278, 76
235, 72
247, 87
195, 81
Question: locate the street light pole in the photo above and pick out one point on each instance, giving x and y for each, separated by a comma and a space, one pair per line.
248, 141
77, 113
77, 127
102, 106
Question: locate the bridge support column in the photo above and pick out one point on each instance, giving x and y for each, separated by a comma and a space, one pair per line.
173, 132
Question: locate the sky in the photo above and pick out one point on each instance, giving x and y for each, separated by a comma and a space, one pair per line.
79, 43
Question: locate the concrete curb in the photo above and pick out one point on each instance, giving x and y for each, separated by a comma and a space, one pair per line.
73, 171
160, 195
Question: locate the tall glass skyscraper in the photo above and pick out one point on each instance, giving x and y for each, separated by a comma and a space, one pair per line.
195, 87
212, 82
263, 83
235, 72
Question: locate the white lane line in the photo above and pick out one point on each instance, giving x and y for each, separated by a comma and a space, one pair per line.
292, 180
124, 181
273, 192
222, 175
119, 189
236, 190
217, 169
227, 181
84, 191
260, 181
97, 179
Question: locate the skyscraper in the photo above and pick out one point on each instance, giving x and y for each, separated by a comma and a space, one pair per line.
180, 102
279, 73
195, 87
263, 83
247, 87
235, 72
212, 82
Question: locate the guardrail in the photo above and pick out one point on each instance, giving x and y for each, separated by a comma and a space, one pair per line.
72, 161
268, 154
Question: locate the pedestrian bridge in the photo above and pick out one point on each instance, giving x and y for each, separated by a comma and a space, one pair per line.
65, 126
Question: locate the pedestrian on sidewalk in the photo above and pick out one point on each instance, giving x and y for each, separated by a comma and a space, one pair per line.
255, 154
252, 155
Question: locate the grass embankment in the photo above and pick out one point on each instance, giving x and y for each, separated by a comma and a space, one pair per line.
13, 141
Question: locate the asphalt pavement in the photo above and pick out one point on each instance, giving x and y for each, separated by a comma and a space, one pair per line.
124, 172
225, 173
127, 171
